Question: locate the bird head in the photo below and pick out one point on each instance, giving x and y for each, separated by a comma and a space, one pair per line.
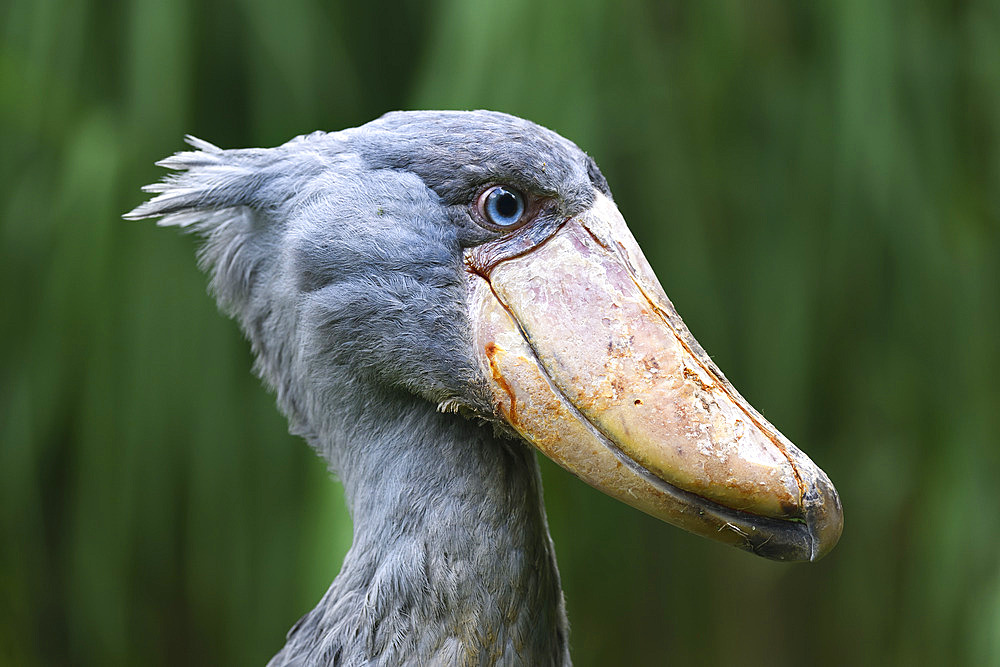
479, 261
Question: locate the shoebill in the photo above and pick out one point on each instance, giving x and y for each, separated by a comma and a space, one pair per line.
432, 297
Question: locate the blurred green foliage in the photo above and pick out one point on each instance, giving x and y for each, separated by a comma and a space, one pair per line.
816, 185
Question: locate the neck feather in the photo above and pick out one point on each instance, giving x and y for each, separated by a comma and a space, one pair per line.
451, 561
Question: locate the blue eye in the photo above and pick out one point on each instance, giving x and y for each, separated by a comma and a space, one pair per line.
502, 206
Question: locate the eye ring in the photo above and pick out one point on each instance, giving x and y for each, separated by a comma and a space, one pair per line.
502, 206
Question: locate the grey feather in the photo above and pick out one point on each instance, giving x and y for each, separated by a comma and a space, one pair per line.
340, 255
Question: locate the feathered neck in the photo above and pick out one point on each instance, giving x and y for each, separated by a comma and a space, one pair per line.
451, 561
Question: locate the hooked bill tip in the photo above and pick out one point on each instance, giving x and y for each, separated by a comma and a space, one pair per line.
824, 516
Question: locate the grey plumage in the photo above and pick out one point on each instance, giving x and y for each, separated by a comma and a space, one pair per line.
340, 255
414, 336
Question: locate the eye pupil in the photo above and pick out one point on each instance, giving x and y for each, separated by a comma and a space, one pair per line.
507, 205
503, 206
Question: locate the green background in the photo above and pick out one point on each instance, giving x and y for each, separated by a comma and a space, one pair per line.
816, 185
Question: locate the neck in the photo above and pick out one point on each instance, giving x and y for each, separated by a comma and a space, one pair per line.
451, 561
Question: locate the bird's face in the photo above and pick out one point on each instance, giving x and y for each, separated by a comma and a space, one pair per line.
478, 260
577, 347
